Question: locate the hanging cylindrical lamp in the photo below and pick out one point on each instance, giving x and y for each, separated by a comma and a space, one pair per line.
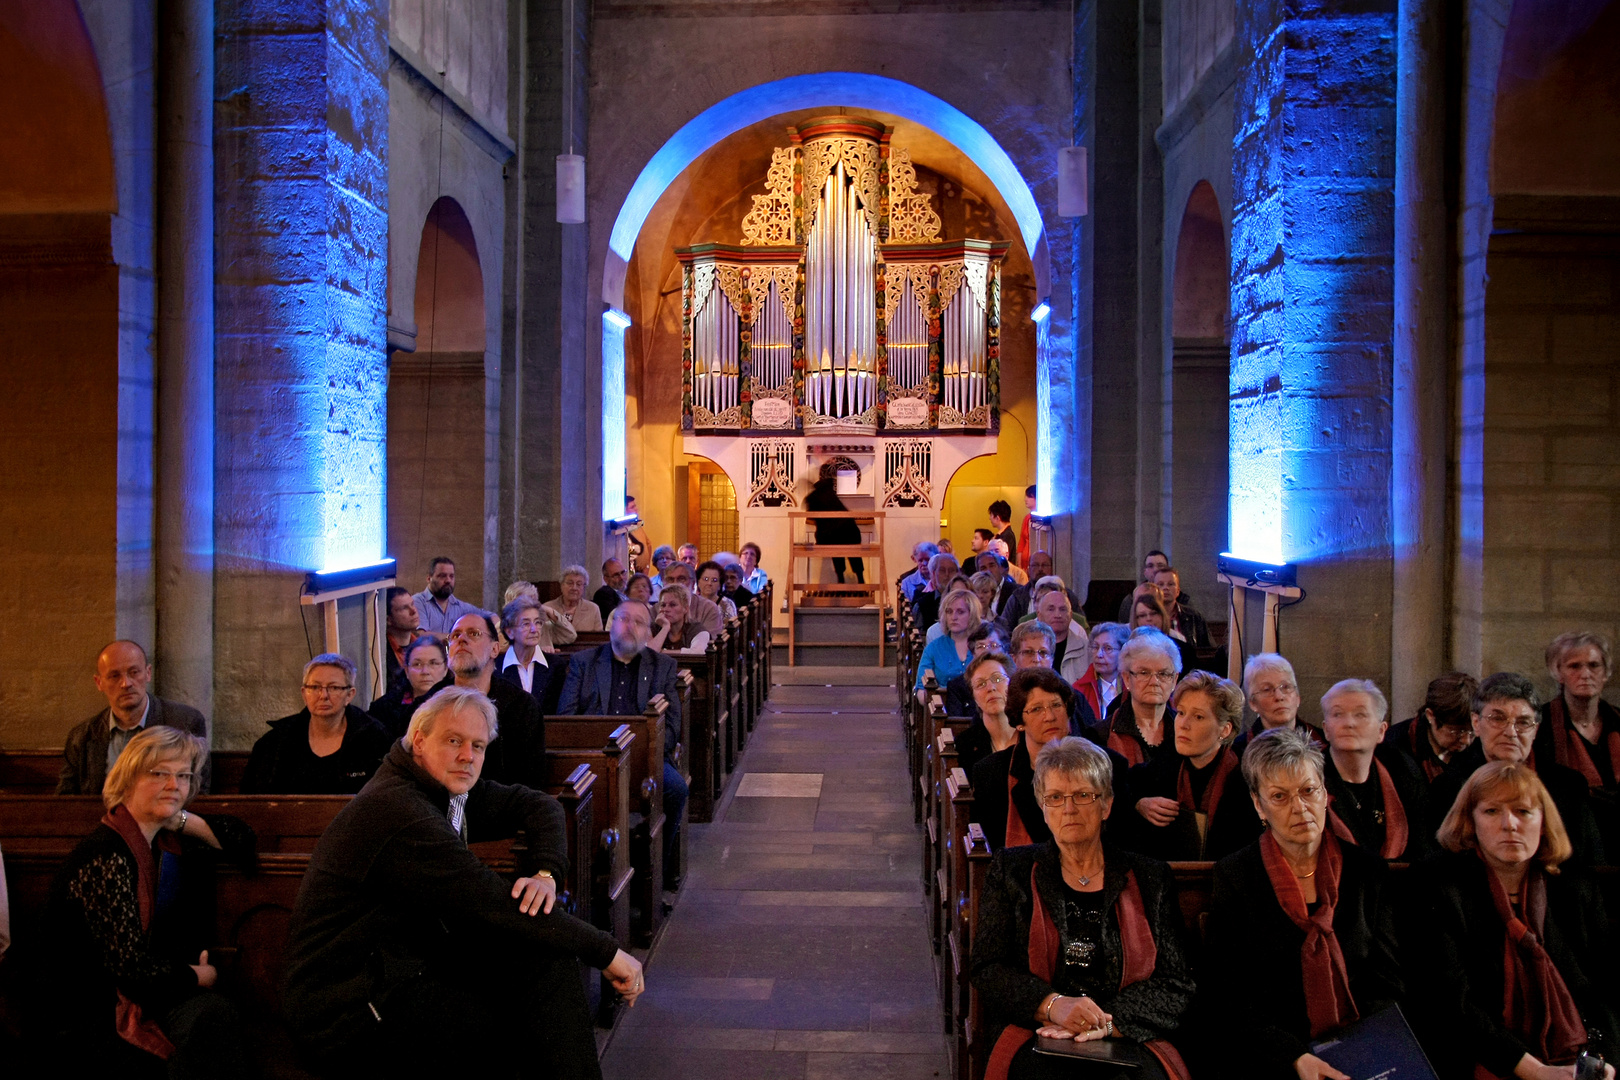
571, 189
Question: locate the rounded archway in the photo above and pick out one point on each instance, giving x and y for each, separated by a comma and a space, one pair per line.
1196, 510
436, 411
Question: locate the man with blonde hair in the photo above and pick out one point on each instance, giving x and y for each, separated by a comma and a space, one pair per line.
400, 930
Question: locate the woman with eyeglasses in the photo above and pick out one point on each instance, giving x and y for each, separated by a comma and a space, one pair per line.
1079, 942
129, 986
1040, 706
1272, 691
330, 748
1513, 959
988, 679
1301, 938
1442, 729
426, 669
1139, 723
1192, 805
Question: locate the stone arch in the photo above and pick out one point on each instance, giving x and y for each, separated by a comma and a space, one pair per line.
1195, 514
59, 305
437, 416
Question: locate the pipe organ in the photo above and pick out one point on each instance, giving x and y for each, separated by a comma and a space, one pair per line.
842, 310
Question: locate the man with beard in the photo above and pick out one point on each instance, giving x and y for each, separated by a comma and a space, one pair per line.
437, 606
518, 754
618, 679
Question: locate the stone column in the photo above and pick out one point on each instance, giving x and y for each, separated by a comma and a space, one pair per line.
1312, 321
184, 652
301, 333
1419, 648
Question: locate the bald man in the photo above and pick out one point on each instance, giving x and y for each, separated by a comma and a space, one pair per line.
122, 675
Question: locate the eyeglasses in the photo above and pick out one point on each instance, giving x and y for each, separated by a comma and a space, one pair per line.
1035, 654
987, 683
1308, 794
421, 665
326, 691
1055, 708
1156, 676
1081, 799
468, 635
163, 776
1497, 720
1277, 690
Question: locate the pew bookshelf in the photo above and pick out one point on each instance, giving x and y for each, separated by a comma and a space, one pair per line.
875, 589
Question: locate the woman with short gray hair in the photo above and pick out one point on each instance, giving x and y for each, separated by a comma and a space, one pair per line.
1192, 805
571, 605
1379, 799
1272, 690
1580, 730
1078, 940
1141, 717
1301, 932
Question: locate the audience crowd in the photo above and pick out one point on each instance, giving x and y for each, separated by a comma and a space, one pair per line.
1097, 753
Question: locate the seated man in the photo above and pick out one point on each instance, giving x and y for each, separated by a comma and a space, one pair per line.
1505, 722
122, 675
330, 748
1019, 603
1071, 650
918, 575
614, 577
1152, 563
403, 628
942, 569
1185, 622
618, 679
994, 564
399, 929
701, 611
518, 754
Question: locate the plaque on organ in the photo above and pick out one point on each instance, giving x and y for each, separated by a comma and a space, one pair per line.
908, 412
772, 413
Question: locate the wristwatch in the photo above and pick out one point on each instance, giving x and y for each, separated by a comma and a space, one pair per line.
545, 874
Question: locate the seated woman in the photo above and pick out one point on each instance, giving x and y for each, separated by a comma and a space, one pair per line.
947, 655
936, 630
571, 606
735, 591
985, 638
639, 587
1499, 910
1099, 685
1381, 807
711, 577
674, 631
1078, 940
1442, 728
752, 577
986, 587
1300, 939
1149, 610
1273, 693
330, 748
129, 918
1141, 717
426, 666
1193, 805
988, 676
1040, 706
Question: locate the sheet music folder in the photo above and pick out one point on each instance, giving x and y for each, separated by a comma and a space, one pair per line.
1377, 1047
1120, 1053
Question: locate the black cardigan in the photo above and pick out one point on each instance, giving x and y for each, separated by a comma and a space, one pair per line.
1252, 997
1410, 788
391, 890
989, 806
1236, 822
1455, 963
96, 945
1566, 786
283, 764
1150, 1009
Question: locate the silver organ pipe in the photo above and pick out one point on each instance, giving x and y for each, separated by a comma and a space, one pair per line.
772, 341
964, 359
908, 341
715, 342
840, 303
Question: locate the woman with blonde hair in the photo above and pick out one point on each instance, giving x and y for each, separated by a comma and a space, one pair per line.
947, 655
130, 917
675, 631
1515, 960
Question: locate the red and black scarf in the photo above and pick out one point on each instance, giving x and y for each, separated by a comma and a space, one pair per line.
1395, 827
1125, 738
1536, 1003
134, 1028
1321, 962
1139, 956
1225, 765
1570, 749
1418, 735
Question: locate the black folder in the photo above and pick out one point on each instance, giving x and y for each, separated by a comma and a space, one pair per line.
1377, 1047
1120, 1053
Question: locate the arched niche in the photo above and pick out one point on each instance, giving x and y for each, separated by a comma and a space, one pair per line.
59, 352
1196, 510
437, 412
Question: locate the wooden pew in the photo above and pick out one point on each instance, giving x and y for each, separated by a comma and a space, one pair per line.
706, 722
646, 811
956, 987
609, 862
34, 772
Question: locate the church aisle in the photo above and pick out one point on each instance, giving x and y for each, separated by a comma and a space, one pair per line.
799, 948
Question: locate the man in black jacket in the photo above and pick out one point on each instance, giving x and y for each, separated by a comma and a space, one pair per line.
407, 954
518, 756
122, 675
614, 577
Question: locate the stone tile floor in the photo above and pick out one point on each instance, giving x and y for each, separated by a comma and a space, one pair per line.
799, 947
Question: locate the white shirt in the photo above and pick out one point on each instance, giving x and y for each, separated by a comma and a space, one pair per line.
1107, 691
525, 671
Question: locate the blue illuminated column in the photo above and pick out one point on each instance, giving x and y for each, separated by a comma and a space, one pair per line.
1312, 316
301, 169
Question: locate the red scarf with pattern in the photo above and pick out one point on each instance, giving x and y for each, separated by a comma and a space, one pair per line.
1570, 749
134, 1028
1321, 962
1395, 827
1226, 763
